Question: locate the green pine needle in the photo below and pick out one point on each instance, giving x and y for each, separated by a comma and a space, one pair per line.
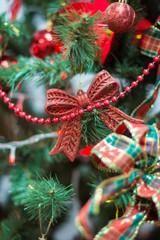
38, 70
21, 178
93, 129
9, 228
48, 198
7, 29
78, 34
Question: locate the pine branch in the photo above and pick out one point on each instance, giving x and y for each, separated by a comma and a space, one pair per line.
47, 198
7, 28
55, 6
78, 34
38, 70
21, 178
9, 228
93, 129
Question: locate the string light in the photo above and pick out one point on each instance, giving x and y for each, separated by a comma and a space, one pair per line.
12, 146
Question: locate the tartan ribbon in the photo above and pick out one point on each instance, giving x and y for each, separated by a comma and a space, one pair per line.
150, 41
134, 152
60, 103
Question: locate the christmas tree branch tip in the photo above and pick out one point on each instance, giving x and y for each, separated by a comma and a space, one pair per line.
47, 199
79, 34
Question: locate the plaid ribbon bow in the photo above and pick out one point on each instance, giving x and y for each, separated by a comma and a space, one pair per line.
133, 151
60, 103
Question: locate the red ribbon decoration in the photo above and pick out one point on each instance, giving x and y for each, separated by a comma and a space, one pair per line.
15, 9
59, 103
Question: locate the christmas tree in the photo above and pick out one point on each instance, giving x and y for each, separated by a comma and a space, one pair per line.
79, 127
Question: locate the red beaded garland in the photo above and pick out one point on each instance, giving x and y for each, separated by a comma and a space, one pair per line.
134, 84
145, 72
3, 94
140, 78
106, 102
156, 59
72, 115
121, 94
114, 99
28, 118
7, 100
35, 120
22, 114
81, 111
41, 121
89, 108
11, 105
128, 89
98, 105
56, 120
48, 121
64, 118
151, 65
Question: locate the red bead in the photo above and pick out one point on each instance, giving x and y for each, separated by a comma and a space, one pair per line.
151, 65
128, 89
48, 121
134, 84
121, 94
81, 111
114, 99
159, 52
17, 110
11, 105
35, 120
145, 72
89, 108
64, 118
156, 59
41, 121
56, 120
98, 105
140, 78
22, 114
106, 102
7, 100
28, 118
0, 88
3, 95
72, 115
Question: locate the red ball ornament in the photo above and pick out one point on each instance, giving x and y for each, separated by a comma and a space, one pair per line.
120, 17
45, 43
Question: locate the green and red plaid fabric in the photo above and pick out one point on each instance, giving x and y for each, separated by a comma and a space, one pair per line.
134, 151
150, 41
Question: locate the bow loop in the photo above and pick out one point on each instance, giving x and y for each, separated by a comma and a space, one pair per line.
60, 103
145, 136
103, 87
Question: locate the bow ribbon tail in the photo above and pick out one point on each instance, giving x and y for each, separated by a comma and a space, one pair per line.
113, 116
69, 139
149, 187
125, 227
105, 191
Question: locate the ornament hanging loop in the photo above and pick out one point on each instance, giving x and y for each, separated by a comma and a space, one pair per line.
48, 227
123, 1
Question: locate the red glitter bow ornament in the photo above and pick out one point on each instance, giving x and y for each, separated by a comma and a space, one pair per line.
59, 103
